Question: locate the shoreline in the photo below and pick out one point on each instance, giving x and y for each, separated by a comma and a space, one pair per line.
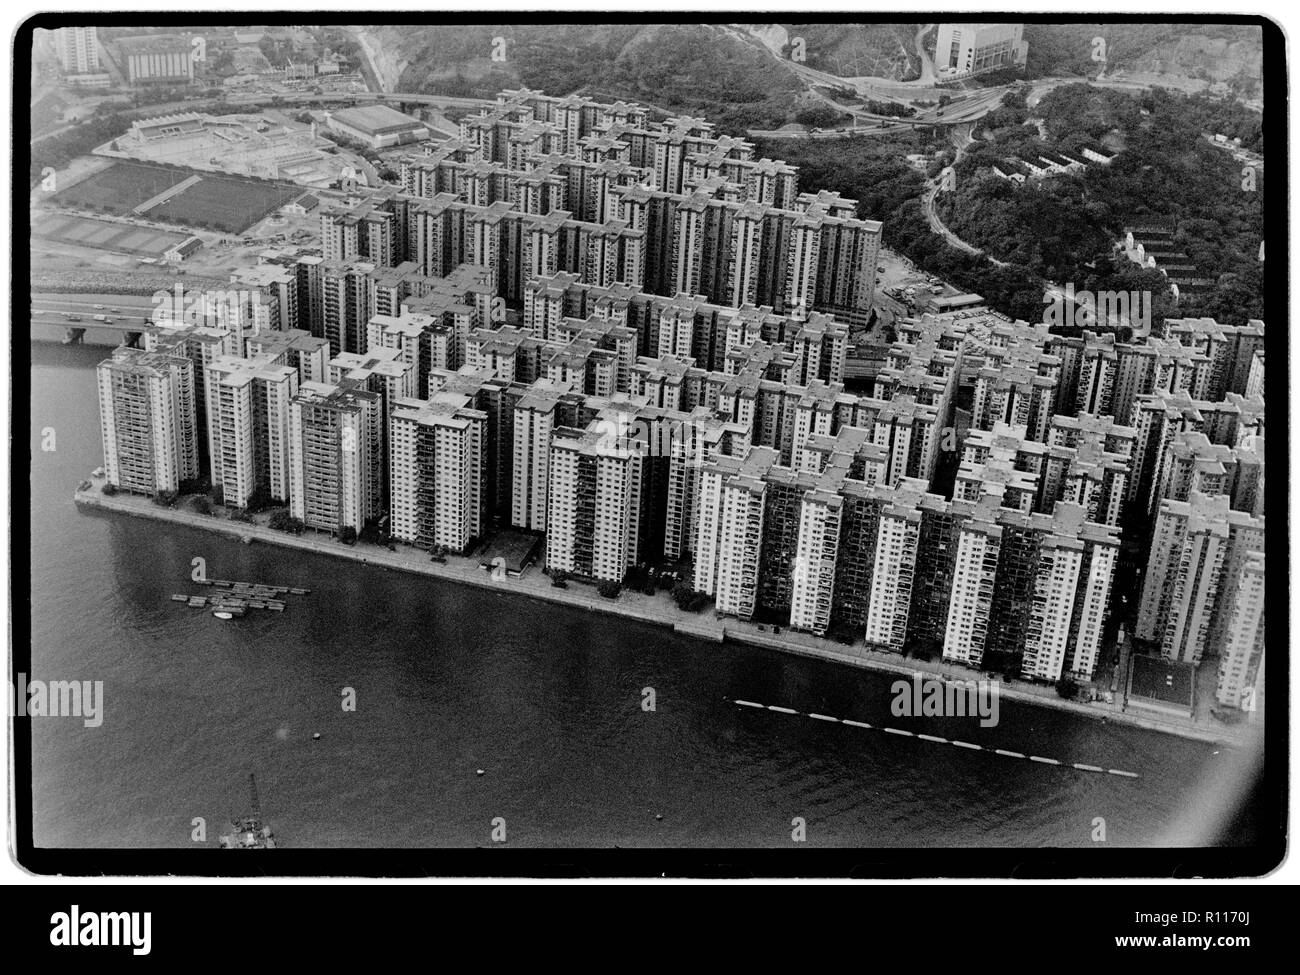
656, 610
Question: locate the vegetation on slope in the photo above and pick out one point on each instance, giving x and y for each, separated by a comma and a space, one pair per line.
689, 69
1063, 228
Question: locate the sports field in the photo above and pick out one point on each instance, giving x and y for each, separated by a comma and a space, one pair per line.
230, 204
85, 232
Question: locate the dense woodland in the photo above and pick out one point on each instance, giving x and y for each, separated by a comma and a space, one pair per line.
1062, 228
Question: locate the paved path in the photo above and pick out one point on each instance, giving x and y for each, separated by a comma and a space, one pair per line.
657, 610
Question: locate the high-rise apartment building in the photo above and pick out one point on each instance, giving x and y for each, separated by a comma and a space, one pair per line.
78, 49
438, 483
1241, 662
147, 420
1192, 543
334, 444
593, 504
248, 414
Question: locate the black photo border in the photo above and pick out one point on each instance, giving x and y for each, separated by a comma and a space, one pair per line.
1180, 863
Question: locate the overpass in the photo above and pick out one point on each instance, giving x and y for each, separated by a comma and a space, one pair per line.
125, 317
961, 109
359, 98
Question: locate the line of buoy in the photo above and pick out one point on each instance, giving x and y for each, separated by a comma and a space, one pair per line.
1005, 753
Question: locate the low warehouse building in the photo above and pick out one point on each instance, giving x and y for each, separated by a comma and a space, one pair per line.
378, 126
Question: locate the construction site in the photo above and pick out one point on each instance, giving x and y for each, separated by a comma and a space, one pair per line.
265, 145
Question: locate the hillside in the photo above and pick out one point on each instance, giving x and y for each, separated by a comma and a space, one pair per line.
1207, 52
853, 50
1062, 228
689, 68
723, 71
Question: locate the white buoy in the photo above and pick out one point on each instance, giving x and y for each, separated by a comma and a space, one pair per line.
479, 772
315, 736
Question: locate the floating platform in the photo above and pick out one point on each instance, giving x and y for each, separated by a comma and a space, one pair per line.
233, 599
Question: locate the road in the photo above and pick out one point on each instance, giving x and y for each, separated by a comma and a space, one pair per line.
373, 76
654, 609
927, 63
867, 86
360, 97
50, 313
962, 139
962, 108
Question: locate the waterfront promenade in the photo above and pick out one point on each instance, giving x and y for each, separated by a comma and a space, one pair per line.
658, 609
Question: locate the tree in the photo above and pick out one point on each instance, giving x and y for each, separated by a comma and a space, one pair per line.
559, 578
259, 500
202, 505
109, 489
682, 593
1067, 688
609, 588
687, 599
348, 535
282, 521
817, 116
